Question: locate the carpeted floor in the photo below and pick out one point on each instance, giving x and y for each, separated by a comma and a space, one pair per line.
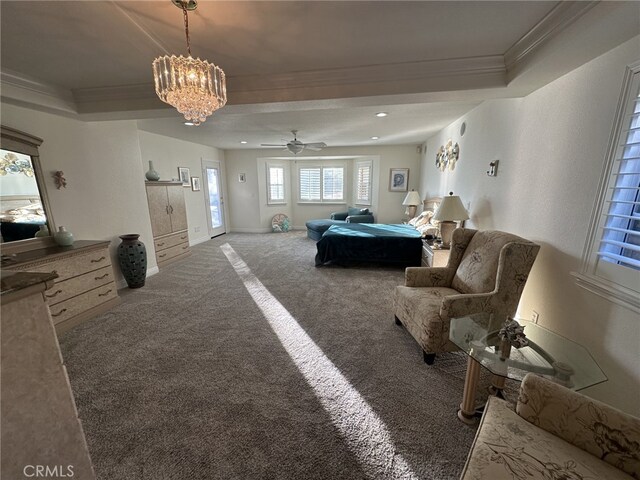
187, 379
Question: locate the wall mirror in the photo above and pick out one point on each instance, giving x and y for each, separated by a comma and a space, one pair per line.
26, 221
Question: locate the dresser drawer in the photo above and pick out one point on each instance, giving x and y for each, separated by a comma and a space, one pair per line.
169, 253
162, 243
74, 306
72, 266
76, 285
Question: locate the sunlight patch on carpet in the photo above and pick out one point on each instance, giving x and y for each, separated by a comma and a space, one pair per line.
362, 429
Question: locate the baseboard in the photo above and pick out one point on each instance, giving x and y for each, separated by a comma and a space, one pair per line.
250, 230
122, 283
198, 240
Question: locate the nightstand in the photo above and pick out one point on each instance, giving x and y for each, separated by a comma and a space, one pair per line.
434, 257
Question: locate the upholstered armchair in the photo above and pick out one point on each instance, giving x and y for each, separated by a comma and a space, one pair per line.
486, 272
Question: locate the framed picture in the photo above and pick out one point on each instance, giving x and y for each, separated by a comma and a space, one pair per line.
399, 180
195, 184
183, 174
242, 177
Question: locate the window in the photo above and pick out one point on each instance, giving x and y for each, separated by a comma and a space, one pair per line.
611, 264
321, 184
275, 185
363, 183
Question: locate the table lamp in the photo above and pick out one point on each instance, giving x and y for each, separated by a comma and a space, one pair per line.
448, 213
412, 200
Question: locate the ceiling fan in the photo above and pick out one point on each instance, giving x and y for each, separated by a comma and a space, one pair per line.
295, 146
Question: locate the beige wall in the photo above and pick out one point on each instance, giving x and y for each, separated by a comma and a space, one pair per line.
551, 146
248, 207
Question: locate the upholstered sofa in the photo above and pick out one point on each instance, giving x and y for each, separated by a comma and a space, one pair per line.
486, 272
315, 228
554, 434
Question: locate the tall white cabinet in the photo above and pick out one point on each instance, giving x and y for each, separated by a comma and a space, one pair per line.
168, 221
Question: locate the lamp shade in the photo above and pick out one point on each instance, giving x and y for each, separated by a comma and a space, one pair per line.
451, 209
412, 198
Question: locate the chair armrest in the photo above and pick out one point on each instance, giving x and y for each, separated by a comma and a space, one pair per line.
466, 304
593, 426
360, 219
339, 215
428, 277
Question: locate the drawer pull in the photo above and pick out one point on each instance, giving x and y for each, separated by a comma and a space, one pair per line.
59, 313
185, 247
55, 294
162, 255
182, 238
102, 276
105, 293
161, 244
98, 260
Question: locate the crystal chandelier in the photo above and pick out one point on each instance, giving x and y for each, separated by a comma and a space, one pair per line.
196, 88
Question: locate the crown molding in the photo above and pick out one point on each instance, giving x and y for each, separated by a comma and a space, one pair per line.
20, 89
371, 74
560, 17
409, 77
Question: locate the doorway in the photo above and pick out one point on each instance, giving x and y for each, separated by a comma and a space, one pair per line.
214, 199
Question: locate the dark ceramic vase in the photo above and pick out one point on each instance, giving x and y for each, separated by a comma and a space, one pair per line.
132, 257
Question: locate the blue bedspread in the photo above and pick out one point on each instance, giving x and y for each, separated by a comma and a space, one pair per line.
398, 245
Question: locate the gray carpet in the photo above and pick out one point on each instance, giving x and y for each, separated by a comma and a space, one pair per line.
186, 379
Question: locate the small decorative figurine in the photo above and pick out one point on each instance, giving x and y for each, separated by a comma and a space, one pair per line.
58, 177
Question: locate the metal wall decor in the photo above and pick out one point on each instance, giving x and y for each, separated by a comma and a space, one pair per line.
447, 156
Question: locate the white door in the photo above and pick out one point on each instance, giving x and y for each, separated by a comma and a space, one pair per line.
211, 174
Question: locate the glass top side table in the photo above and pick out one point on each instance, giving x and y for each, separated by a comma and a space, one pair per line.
548, 354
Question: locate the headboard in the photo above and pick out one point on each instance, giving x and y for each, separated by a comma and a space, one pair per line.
431, 204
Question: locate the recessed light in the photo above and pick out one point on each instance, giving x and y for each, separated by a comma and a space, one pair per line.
189, 124
243, 142
375, 138
381, 114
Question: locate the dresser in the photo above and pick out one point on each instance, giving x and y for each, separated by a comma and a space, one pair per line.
168, 214
434, 257
85, 286
39, 421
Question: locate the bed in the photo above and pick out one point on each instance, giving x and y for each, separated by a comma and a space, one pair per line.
397, 245
20, 217
377, 243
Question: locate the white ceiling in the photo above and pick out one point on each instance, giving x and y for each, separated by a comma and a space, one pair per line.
324, 68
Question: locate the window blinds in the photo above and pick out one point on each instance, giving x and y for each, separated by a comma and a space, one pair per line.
620, 241
310, 184
332, 183
363, 183
276, 184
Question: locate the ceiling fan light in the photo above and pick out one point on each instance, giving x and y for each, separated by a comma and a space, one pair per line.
295, 148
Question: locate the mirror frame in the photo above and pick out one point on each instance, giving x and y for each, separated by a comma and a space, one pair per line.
21, 142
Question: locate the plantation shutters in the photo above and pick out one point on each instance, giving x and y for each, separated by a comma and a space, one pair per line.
332, 183
310, 184
275, 185
321, 184
363, 183
620, 241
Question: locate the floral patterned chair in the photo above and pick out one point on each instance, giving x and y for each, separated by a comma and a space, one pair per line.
487, 271
554, 434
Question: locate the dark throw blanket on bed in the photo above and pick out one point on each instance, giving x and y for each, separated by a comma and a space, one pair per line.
377, 243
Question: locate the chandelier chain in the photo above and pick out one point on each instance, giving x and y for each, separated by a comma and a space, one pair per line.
186, 25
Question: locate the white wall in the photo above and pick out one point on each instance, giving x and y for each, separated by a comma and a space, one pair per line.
104, 164
105, 194
551, 146
167, 154
247, 202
